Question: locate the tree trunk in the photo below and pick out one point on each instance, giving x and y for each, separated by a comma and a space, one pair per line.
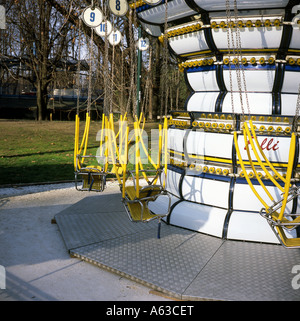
42, 101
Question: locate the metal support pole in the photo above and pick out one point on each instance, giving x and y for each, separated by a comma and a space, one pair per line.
138, 84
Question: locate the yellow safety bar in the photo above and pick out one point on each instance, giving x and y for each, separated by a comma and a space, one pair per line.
124, 161
263, 154
165, 141
84, 141
276, 220
245, 172
76, 142
247, 132
254, 170
248, 137
288, 175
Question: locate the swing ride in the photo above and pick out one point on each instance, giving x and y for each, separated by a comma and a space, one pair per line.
233, 152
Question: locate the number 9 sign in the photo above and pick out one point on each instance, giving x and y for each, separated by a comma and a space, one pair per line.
118, 7
92, 18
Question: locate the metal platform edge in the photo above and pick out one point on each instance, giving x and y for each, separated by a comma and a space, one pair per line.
173, 295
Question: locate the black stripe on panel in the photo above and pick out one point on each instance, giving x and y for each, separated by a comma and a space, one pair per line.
194, 6
230, 208
220, 78
171, 210
279, 75
287, 30
276, 100
187, 81
189, 97
220, 100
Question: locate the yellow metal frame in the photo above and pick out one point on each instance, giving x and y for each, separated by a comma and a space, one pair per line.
277, 220
137, 197
93, 177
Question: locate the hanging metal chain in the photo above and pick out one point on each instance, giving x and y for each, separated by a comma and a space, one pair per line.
228, 19
296, 118
234, 46
78, 67
105, 72
90, 73
240, 64
132, 66
164, 69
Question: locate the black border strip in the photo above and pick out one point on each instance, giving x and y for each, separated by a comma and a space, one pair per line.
230, 208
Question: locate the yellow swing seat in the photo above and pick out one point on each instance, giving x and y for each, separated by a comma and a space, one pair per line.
136, 198
286, 242
136, 204
288, 222
276, 215
93, 178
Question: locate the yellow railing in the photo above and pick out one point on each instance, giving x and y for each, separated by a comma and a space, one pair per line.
276, 214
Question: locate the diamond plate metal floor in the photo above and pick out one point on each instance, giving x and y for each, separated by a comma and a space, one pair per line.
184, 264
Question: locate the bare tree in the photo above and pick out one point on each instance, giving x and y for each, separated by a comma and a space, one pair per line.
43, 38
41, 34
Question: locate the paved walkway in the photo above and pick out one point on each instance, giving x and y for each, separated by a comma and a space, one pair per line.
183, 264
37, 264
116, 260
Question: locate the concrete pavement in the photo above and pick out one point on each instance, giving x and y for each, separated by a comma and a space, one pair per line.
37, 264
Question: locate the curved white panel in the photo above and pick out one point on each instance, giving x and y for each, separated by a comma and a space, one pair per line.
201, 101
209, 144
175, 139
295, 40
189, 43
176, 9
245, 199
257, 79
291, 79
200, 218
251, 38
205, 191
204, 80
206, 198
160, 205
259, 103
219, 5
152, 30
172, 183
276, 148
250, 227
288, 104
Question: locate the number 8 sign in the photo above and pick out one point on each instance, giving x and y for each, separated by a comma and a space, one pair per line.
118, 7
92, 18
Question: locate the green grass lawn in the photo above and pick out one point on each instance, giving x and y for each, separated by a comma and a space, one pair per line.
35, 152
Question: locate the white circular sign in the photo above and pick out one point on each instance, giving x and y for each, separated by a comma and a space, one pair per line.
115, 37
153, 2
104, 29
92, 18
143, 44
118, 7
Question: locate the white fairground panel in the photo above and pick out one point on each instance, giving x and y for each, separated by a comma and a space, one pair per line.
240, 65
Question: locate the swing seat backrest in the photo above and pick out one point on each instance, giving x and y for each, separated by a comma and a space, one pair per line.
144, 192
286, 242
288, 224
